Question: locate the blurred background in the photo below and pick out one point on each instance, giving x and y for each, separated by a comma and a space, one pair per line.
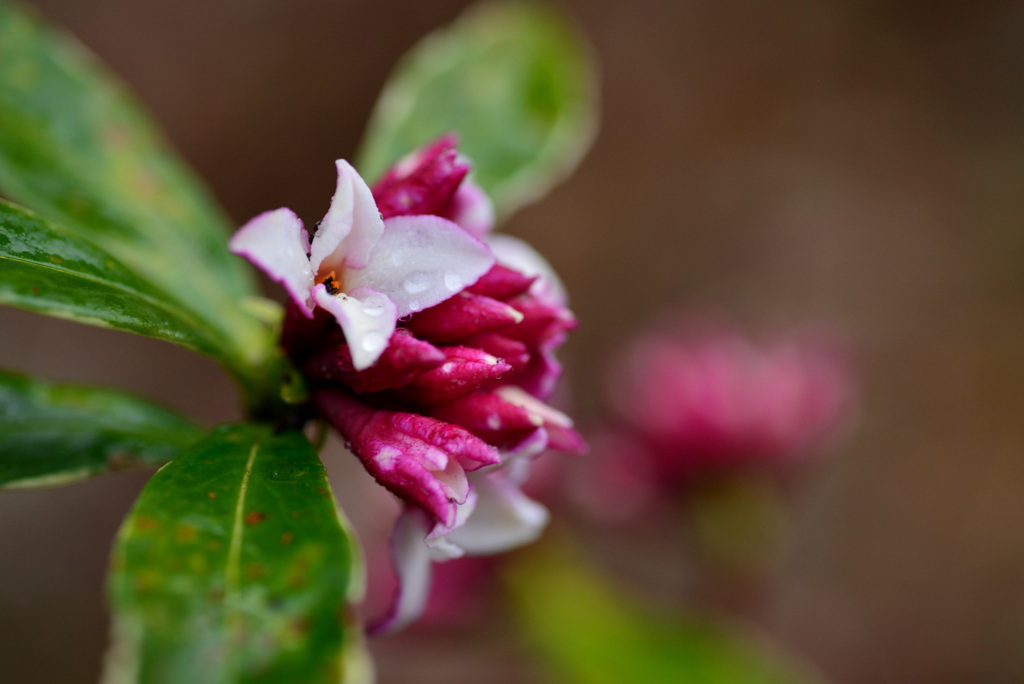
855, 164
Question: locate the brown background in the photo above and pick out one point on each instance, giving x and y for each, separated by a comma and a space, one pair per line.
853, 162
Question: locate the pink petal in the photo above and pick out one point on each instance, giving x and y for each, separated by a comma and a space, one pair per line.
508, 415
350, 229
540, 375
534, 444
461, 316
410, 558
277, 243
425, 183
566, 439
419, 459
501, 282
366, 317
409, 468
403, 359
464, 371
546, 414
472, 209
301, 334
421, 261
408, 164
512, 352
488, 416
503, 519
541, 321
429, 180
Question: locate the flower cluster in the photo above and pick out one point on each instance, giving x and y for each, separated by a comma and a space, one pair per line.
689, 397
428, 343
711, 396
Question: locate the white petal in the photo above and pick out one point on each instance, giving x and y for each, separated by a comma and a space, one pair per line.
366, 317
410, 559
453, 479
443, 550
518, 255
504, 518
438, 541
517, 470
532, 445
278, 244
421, 261
350, 229
522, 451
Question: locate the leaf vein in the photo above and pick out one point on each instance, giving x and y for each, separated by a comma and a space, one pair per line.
113, 285
233, 569
162, 307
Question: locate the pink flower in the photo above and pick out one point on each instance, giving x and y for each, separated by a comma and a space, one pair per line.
429, 345
710, 397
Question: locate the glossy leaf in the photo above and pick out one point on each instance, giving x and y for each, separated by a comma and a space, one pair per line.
516, 83
593, 635
57, 434
45, 269
236, 566
76, 149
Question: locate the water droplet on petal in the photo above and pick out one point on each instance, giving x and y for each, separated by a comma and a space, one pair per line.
415, 282
453, 281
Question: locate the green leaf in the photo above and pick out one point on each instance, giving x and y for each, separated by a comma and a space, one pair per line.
235, 565
592, 635
514, 80
47, 270
77, 150
56, 434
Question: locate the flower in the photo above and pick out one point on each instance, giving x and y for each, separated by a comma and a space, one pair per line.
706, 396
365, 271
694, 403
429, 345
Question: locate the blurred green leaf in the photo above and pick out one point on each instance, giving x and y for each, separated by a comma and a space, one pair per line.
47, 270
77, 150
235, 565
593, 635
514, 80
56, 434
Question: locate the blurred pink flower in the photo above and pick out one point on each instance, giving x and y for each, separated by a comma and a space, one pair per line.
708, 397
429, 345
